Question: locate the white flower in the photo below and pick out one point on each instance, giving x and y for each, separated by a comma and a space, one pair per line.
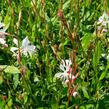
15, 41
103, 19
26, 47
103, 22
2, 34
65, 73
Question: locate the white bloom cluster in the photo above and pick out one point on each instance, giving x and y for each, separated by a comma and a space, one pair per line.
26, 48
103, 22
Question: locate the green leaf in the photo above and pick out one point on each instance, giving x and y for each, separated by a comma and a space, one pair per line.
96, 55
82, 107
85, 92
102, 76
88, 106
86, 41
66, 4
54, 103
1, 103
10, 102
15, 80
40, 108
62, 107
7, 20
11, 70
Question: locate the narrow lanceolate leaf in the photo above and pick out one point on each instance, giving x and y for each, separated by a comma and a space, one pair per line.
104, 73
66, 4
11, 70
85, 92
86, 41
96, 55
102, 76
7, 20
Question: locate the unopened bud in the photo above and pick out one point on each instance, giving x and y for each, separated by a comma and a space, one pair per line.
75, 94
4, 97
60, 13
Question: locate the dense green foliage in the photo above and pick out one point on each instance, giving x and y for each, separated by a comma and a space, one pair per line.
60, 29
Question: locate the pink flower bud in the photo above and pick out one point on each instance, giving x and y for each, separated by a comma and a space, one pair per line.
60, 14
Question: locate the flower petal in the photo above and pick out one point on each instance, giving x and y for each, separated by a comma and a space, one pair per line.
25, 42
63, 62
2, 41
29, 49
14, 50
15, 41
62, 76
62, 67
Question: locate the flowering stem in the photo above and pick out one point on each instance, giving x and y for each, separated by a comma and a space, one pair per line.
74, 38
61, 16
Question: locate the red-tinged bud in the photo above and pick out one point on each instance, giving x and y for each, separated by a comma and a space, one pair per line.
70, 70
73, 93
9, 1
73, 90
77, 75
4, 97
60, 13
74, 78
